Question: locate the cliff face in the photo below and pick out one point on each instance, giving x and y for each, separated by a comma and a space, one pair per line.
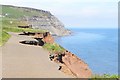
78, 67
37, 18
71, 63
50, 23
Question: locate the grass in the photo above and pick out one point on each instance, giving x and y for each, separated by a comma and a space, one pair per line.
8, 27
5, 37
14, 14
105, 77
57, 48
53, 47
15, 29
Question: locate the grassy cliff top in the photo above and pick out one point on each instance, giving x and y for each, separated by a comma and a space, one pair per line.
10, 20
18, 12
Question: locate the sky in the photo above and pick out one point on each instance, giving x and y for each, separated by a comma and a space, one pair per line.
76, 13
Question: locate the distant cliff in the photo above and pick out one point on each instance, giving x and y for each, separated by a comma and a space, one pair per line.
37, 18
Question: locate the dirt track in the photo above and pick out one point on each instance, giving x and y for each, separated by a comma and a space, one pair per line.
27, 61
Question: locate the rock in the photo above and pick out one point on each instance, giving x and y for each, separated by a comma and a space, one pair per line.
72, 65
76, 65
50, 23
48, 38
39, 19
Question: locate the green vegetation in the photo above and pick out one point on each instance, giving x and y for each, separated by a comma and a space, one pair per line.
105, 77
7, 27
11, 21
5, 37
15, 12
15, 29
53, 47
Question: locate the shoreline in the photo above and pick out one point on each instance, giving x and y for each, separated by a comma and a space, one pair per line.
91, 50
73, 64
70, 63
69, 69
75, 73
36, 21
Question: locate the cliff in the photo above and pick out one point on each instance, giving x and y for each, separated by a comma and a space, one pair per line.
78, 67
37, 18
41, 19
69, 62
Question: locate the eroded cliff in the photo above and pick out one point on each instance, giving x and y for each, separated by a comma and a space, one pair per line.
69, 62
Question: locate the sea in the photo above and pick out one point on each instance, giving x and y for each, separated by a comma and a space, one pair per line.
97, 47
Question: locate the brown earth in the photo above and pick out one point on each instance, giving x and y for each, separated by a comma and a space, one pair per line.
48, 38
72, 64
78, 67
